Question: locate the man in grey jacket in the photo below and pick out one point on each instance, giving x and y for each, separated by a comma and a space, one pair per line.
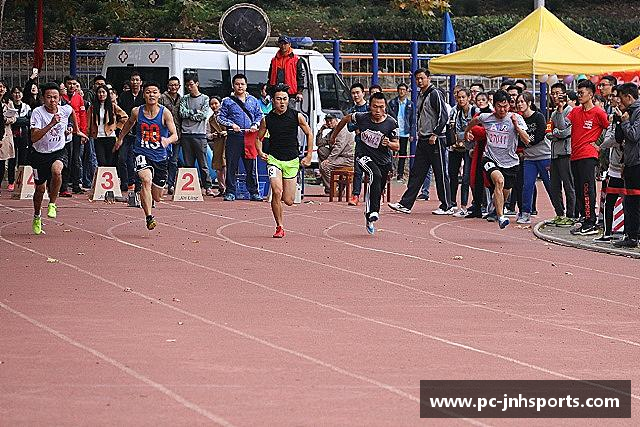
432, 120
560, 173
194, 111
628, 94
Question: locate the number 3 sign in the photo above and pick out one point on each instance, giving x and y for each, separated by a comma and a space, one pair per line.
187, 186
106, 180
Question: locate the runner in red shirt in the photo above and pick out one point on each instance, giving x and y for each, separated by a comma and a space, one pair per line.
587, 124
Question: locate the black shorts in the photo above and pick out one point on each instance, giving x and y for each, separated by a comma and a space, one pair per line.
42, 163
158, 169
509, 174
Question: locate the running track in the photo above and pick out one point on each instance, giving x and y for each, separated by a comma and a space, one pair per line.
208, 320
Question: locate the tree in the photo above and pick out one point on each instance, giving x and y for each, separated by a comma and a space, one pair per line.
424, 7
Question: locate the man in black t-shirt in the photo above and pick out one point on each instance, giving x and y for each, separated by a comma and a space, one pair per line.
282, 159
377, 136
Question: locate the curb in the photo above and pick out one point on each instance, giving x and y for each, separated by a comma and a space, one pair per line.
591, 247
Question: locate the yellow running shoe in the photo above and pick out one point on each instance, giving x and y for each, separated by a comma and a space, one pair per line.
37, 225
151, 222
52, 210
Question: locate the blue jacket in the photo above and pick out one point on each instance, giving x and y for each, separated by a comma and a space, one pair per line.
356, 109
394, 107
231, 113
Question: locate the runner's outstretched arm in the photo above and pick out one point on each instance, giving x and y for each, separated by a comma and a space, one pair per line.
126, 128
171, 125
307, 131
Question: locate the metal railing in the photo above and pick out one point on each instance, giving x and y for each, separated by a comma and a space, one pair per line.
16, 65
375, 67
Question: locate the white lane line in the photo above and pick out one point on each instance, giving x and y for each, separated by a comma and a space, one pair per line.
120, 366
390, 388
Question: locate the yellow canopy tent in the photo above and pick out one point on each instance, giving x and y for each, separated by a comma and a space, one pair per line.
632, 48
539, 44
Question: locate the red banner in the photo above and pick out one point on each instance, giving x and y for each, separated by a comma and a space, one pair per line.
38, 50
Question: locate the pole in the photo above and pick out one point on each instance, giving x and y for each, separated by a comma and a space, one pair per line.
414, 96
73, 54
452, 81
538, 3
336, 55
374, 65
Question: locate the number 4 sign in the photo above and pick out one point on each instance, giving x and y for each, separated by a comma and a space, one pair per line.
188, 186
106, 180
25, 184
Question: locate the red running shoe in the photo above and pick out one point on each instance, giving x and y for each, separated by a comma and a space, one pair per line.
279, 232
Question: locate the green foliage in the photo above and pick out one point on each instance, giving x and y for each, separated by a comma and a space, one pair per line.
476, 29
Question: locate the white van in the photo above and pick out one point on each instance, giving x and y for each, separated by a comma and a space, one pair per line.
215, 66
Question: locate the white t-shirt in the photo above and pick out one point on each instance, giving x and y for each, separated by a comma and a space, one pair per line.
502, 138
53, 140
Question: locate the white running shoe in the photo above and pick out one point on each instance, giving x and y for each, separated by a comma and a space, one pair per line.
399, 208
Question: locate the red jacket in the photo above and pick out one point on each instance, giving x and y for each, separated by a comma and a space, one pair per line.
293, 71
77, 103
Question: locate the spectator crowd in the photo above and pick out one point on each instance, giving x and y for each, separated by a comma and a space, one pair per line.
485, 153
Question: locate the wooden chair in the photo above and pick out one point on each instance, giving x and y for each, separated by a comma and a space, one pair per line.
365, 180
341, 180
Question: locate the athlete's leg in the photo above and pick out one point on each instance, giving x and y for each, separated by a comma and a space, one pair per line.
145, 192
275, 180
56, 181
289, 188
38, 194
499, 193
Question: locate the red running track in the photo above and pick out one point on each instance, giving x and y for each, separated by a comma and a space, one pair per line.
208, 320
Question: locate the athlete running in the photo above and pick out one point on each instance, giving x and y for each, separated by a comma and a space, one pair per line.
48, 155
155, 130
283, 157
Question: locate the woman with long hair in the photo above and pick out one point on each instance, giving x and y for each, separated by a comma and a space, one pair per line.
7, 151
21, 134
217, 135
104, 118
537, 154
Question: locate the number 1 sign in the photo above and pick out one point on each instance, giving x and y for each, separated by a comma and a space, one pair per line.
188, 186
106, 180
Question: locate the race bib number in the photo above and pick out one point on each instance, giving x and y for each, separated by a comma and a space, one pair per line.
489, 165
272, 171
372, 138
141, 162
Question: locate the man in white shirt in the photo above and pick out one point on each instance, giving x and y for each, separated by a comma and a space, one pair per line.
48, 156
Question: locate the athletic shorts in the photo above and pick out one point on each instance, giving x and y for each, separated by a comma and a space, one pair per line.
289, 168
509, 174
158, 169
42, 163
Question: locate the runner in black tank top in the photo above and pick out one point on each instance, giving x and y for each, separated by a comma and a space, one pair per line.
282, 158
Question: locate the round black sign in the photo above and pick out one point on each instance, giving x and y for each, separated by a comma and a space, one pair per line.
244, 28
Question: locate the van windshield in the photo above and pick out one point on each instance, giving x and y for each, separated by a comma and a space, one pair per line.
117, 76
212, 82
333, 93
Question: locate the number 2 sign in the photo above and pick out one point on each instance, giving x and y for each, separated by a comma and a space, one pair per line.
188, 186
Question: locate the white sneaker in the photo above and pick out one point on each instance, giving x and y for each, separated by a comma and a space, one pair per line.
524, 218
441, 211
461, 213
399, 208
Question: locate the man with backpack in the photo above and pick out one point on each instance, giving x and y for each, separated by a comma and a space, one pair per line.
241, 114
433, 115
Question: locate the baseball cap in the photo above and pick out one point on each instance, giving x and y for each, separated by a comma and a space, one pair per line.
284, 39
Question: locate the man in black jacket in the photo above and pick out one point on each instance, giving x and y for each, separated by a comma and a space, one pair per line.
630, 125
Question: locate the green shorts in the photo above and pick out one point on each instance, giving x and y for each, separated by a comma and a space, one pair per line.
289, 168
